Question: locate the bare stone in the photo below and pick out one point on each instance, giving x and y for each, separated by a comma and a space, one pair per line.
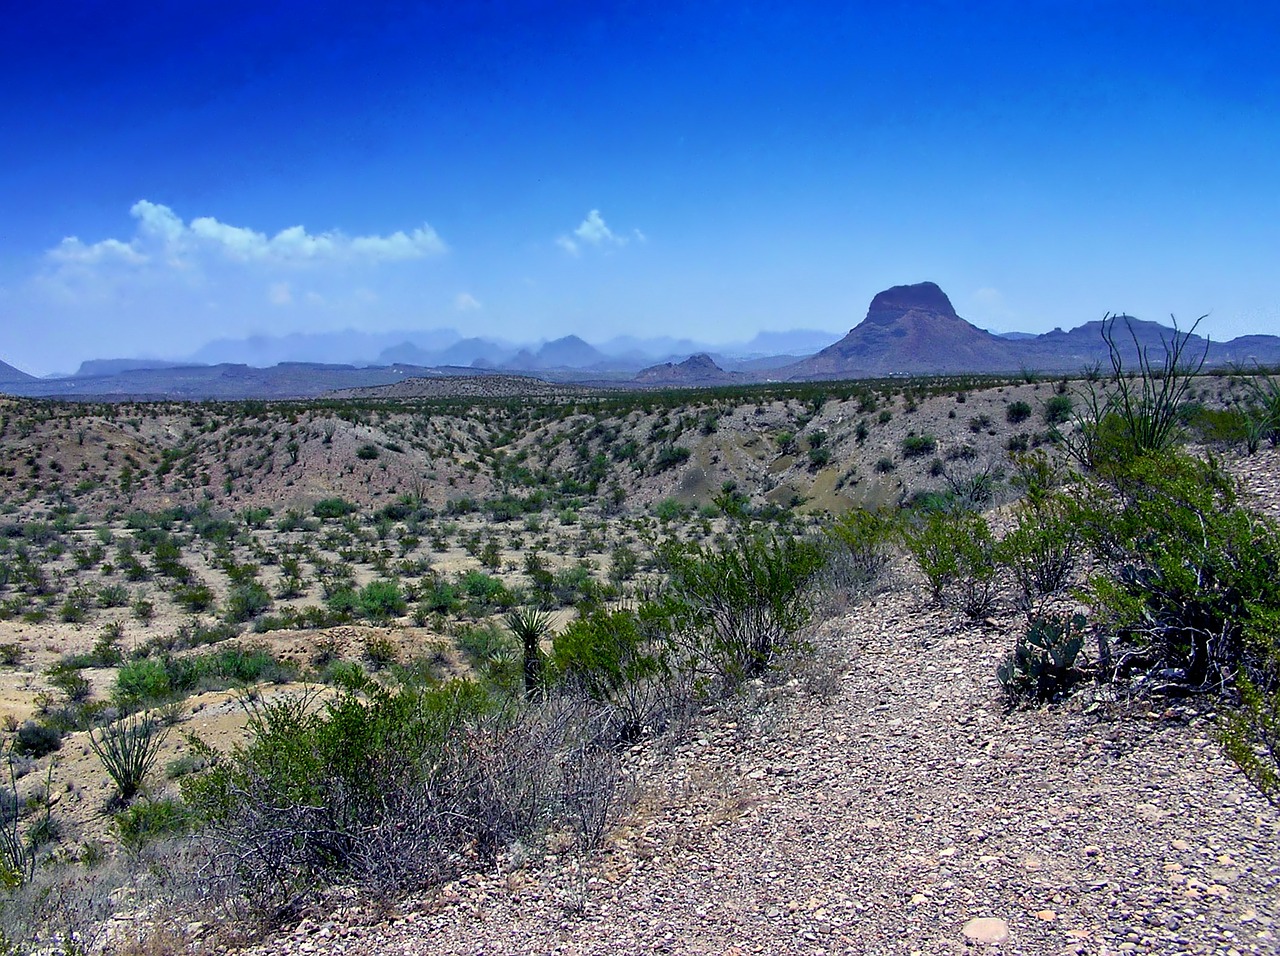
986, 929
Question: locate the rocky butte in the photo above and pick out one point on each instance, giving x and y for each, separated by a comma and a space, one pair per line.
909, 329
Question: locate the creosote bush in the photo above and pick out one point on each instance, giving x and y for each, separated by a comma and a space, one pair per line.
620, 659
1185, 575
956, 552
396, 788
737, 606
860, 547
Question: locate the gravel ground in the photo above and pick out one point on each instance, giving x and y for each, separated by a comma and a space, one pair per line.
908, 813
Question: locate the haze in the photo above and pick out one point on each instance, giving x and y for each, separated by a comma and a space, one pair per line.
528, 170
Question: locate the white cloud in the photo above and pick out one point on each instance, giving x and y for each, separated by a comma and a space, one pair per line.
157, 221
161, 237
280, 294
466, 302
72, 251
594, 231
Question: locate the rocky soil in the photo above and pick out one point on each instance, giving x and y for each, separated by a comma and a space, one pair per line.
900, 810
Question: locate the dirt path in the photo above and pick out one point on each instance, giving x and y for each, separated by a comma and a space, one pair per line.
883, 822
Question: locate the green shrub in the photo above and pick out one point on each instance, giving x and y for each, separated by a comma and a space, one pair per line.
619, 661
254, 518
573, 585
332, 508
239, 664
956, 553
381, 600
247, 601
380, 652
669, 456
36, 739
149, 820
483, 591
669, 509
976, 583
485, 643
740, 604
1041, 551
1185, 574
441, 597
113, 595
344, 602
1057, 410
623, 564
143, 610
979, 423
367, 452
71, 682
194, 598
197, 634
1250, 733
142, 681
76, 607
917, 446
387, 789
1017, 412
862, 540
929, 542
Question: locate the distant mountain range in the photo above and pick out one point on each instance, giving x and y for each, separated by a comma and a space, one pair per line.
908, 330
914, 330
12, 376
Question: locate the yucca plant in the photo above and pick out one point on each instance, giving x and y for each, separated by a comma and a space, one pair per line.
128, 749
530, 626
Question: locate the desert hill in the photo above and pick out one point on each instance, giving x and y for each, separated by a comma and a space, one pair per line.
696, 370
10, 375
909, 329
837, 791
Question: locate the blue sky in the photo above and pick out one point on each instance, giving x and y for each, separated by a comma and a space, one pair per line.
177, 172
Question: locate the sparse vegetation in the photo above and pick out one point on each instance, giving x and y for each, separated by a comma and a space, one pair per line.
504, 595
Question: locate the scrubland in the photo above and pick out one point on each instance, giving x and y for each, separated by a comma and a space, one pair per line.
256, 658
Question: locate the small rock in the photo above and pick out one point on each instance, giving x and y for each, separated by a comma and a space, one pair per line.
1047, 915
986, 929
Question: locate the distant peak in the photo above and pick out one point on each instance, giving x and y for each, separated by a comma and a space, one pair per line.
925, 296
701, 361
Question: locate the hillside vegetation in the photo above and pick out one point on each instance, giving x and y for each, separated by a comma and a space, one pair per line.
383, 644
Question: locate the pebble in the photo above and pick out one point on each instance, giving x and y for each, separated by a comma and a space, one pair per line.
988, 930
